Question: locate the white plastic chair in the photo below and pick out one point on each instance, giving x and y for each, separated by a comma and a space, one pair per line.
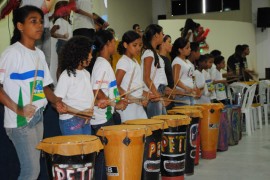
264, 92
236, 87
247, 108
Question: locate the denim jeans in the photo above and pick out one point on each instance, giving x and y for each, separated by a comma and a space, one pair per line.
100, 167
74, 126
187, 100
25, 140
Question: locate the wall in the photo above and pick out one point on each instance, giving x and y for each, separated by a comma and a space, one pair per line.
122, 14
223, 35
159, 8
262, 39
244, 14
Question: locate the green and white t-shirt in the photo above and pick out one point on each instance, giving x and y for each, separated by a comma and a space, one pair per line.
18, 67
108, 87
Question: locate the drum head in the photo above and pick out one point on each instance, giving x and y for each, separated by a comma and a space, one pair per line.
174, 120
154, 124
71, 145
193, 113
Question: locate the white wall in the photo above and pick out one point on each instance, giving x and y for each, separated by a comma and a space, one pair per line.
159, 8
223, 35
262, 39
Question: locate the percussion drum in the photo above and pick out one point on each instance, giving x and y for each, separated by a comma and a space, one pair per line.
123, 150
173, 146
70, 157
152, 148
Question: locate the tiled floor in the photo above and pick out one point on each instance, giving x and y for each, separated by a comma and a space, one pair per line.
249, 160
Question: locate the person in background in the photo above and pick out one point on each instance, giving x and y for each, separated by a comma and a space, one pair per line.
129, 76
235, 63
137, 29
153, 68
183, 70
188, 32
219, 82
61, 30
210, 76
24, 89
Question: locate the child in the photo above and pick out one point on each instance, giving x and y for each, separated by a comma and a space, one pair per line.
200, 81
209, 75
25, 77
74, 85
183, 70
61, 29
103, 73
219, 82
152, 64
128, 73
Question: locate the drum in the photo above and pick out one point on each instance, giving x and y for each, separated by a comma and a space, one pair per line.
198, 144
210, 129
123, 150
173, 146
70, 157
234, 124
192, 134
223, 135
152, 148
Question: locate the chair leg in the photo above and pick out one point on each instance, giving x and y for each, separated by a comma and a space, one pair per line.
248, 123
265, 109
253, 120
260, 116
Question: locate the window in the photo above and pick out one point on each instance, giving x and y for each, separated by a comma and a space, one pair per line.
183, 7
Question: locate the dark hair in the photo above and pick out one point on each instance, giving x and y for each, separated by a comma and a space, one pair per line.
194, 46
74, 52
128, 37
111, 30
148, 35
218, 60
239, 50
216, 53
19, 16
208, 56
178, 43
189, 24
60, 6
100, 40
135, 26
203, 58
245, 46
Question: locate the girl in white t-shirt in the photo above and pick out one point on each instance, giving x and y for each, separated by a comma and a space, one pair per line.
129, 76
74, 86
183, 70
24, 89
153, 68
210, 75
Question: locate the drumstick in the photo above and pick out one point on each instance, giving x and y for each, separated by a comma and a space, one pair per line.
99, 86
130, 81
34, 83
173, 88
152, 80
127, 92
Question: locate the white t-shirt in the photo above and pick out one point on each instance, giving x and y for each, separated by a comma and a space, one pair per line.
200, 83
64, 28
133, 111
126, 64
160, 77
109, 88
209, 84
39, 4
75, 91
18, 66
212, 71
81, 21
220, 88
186, 73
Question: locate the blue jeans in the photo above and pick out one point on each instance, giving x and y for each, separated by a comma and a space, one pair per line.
187, 100
74, 126
25, 140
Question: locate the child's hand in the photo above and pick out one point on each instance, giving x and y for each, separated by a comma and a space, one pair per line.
102, 103
61, 107
65, 36
27, 111
122, 104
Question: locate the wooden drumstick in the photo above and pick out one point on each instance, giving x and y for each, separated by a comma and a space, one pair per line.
130, 81
127, 92
173, 88
152, 81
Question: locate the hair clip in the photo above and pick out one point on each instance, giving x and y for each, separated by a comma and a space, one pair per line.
93, 47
